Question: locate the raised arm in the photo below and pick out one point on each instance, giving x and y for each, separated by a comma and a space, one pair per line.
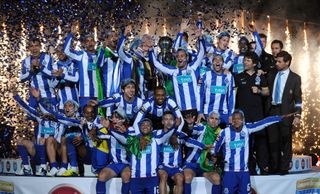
166, 69
110, 101
201, 52
178, 42
62, 119
75, 55
29, 110
189, 142
121, 137
260, 125
162, 137
145, 109
122, 54
120, 47
259, 47
198, 129
25, 74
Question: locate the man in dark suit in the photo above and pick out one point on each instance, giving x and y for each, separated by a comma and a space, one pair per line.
285, 87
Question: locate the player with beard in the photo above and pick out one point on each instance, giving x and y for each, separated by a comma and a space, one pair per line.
217, 92
127, 100
185, 77
234, 140
145, 149
119, 160
88, 61
154, 108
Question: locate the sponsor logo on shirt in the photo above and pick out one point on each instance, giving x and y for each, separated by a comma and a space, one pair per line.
147, 150
237, 144
184, 79
167, 149
218, 89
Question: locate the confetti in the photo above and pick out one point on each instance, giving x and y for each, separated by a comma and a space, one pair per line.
51, 22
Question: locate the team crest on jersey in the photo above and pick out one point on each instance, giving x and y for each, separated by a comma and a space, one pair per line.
226, 80
258, 80
242, 134
226, 191
70, 69
135, 109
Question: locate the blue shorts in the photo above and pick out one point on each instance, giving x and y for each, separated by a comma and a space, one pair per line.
170, 171
117, 168
195, 167
148, 185
236, 182
99, 159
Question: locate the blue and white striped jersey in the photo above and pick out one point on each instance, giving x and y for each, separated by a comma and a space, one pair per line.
41, 79
87, 65
118, 100
178, 43
228, 56
127, 67
101, 131
110, 73
67, 84
193, 155
238, 65
118, 152
235, 144
217, 93
185, 81
147, 165
46, 127
171, 157
151, 107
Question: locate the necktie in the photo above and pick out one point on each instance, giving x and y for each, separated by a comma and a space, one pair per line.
277, 95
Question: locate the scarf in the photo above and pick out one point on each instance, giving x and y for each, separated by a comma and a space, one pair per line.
210, 135
133, 144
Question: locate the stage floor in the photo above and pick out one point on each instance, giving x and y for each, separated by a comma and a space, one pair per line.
308, 182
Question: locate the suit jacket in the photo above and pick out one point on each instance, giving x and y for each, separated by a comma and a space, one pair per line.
292, 95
